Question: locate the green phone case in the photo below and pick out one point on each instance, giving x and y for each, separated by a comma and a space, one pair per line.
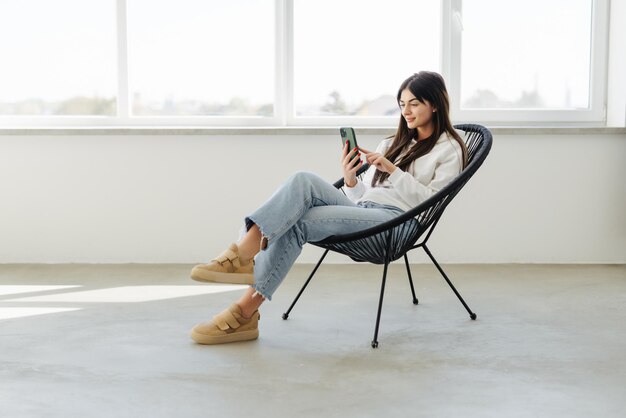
347, 134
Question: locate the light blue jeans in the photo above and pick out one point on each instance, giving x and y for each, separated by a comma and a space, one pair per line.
306, 208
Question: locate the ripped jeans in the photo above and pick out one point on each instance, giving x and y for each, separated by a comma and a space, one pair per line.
306, 208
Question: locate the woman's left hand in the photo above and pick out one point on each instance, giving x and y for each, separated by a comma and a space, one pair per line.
378, 160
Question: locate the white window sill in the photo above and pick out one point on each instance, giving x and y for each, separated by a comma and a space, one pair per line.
123, 131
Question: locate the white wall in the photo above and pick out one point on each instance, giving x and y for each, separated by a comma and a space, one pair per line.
181, 199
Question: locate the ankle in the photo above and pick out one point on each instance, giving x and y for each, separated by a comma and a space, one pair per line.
244, 260
247, 314
245, 256
250, 303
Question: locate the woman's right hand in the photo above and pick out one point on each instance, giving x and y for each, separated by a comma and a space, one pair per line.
349, 169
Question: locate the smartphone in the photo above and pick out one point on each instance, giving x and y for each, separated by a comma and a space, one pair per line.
347, 134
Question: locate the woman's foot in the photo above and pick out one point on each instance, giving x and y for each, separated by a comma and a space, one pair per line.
227, 327
229, 267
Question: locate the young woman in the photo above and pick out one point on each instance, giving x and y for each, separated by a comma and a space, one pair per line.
424, 155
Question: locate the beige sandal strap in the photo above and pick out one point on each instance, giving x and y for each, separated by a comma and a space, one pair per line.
226, 320
230, 256
222, 259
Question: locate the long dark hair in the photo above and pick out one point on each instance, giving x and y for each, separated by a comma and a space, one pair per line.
425, 86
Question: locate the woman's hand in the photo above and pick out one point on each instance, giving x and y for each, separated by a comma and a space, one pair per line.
349, 168
378, 160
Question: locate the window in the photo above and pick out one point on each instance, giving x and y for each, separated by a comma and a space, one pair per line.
350, 56
297, 62
58, 58
540, 62
529, 61
199, 57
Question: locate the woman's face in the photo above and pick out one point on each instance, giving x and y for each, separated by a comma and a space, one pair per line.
416, 113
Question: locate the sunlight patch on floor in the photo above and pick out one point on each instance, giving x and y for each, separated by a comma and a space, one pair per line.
127, 294
10, 313
16, 289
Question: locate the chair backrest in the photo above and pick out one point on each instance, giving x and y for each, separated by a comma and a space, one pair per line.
478, 140
375, 245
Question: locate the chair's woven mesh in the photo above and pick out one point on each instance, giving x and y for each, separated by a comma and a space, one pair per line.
373, 247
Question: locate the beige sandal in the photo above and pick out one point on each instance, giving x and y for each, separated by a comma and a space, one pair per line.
227, 327
226, 268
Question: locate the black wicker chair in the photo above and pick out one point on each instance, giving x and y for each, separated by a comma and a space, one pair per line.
391, 240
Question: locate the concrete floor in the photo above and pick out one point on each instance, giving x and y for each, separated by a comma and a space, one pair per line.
550, 341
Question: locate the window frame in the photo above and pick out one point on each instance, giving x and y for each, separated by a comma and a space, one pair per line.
284, 109
595, 114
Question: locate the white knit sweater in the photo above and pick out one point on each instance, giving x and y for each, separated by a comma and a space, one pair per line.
425, 176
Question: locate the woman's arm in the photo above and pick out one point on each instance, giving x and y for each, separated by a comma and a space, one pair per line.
414, 192
356, 188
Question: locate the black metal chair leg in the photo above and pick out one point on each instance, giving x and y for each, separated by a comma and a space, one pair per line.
408, 271
472, 314
286, 314
380, 307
